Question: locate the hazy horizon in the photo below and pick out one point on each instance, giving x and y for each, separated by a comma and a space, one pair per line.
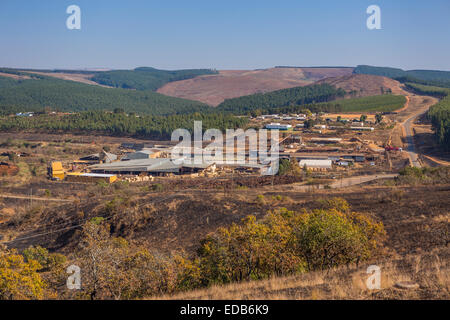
225, 36
284, 66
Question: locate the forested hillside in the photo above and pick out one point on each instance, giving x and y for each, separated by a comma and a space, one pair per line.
439, 113
39, 92
384, 103
145, 78
429, 77
281, 98
119, 123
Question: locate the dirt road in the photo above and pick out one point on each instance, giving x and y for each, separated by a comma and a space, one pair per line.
409, 135
346, 182
418, 105
27, 197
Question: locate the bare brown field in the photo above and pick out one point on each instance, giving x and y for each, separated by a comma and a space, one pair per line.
365, 85
428, 147
77, 77
416, 106
415, 218
214, 89
13, 76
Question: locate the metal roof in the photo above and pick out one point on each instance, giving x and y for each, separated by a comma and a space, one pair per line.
148, 165
108, 156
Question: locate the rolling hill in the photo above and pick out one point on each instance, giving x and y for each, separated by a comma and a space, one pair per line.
430, 77
227, 84
361, 93
145, 78
21, 94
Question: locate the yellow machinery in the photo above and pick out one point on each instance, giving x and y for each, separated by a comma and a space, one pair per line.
56, 171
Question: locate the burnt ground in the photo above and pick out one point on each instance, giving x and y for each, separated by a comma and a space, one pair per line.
416, 218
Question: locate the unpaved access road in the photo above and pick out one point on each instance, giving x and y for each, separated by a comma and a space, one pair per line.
347, 182
417, 106
336, 184
32, 198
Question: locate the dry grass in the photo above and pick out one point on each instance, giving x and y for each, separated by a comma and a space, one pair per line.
430, 271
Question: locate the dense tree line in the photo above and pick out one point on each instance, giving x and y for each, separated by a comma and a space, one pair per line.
430, 77
434, 91
145, 78
381, 103
439, 113
44, 92
120, 124
281, 98
436, 83
384, 103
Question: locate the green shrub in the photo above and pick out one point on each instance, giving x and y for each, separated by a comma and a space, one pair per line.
286, 242
157, 187
48, 261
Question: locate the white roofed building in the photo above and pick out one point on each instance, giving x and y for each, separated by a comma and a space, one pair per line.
316, 164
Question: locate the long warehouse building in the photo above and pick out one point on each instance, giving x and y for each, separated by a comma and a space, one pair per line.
153, 166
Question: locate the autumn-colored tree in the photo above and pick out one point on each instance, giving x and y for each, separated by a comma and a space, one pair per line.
52, 269
337, 203
101, 261
19, 279
112, 268
48, 261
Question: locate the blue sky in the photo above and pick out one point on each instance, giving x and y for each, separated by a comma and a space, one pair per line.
246, 34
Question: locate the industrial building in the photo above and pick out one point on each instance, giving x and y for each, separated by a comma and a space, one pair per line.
142, 154
159, 166
103, 156
327, 156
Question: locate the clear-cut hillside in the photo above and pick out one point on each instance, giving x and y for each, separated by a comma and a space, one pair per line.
214, 89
